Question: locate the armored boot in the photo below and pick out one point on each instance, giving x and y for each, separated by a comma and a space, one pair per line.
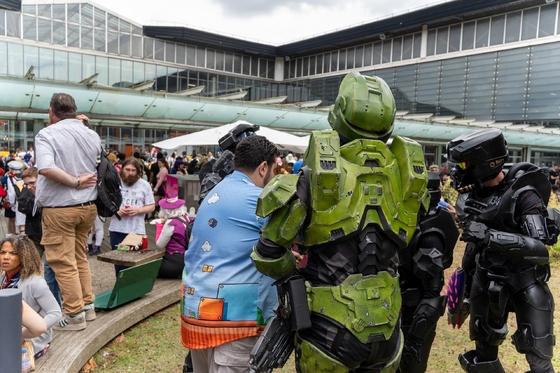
469, 364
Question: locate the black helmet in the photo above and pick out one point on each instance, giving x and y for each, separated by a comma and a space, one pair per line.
478, 156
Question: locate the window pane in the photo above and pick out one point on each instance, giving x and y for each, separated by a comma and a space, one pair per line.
377, 49
136, 30
73, 35
529, 27
441, 44
150, 72
482, 29
29, 27
219, 60
181, 53
368, 54
148, 48
44, 10
312, 67
29, 9
114, 71
397, 49
87, 37
191, 55
59, 12
547, 20
200, 57
12, 24
102, 68
44, 32
305, 66
417, 45
74, 13
99, 18
2, 23
30, 57
254, 66
359, 57
350, 58
46, 63
87, 15
299, 67
262, 68
455, 38
61, 67
326, 62
124, 44
170, 52
124, 26
210, 59
59, 33
237, 64
342, 60
431, 42
138, 73
319, 64
88, 66
407, 47
159, 50
126, 73
513, 25
228, 63
137, 46
75, 67
468, 36
112, 22
270, 71
497, 32
99, 40
112, 42
334, 61
386, 56
4, 58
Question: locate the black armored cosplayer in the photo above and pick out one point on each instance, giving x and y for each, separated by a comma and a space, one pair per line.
421, 278
506, 226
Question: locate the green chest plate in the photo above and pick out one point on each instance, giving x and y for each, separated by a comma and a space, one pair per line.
364, 182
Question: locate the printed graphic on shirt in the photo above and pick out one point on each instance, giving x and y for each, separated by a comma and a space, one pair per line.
210, 309
190, 291
215, 198
206, 246
207, 268
212, 223
234, 302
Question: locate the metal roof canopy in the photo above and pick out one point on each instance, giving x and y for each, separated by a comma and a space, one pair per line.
29, 100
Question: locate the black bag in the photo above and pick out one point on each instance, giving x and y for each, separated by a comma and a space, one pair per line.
109, 197
25, 201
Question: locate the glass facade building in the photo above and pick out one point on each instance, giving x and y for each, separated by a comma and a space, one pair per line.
497, 64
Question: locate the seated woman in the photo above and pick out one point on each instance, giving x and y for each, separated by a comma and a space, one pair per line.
171, 235
22, 269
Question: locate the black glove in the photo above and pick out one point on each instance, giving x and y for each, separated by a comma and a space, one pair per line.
474, 232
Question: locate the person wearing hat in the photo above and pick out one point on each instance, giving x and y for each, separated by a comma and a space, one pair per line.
14, 181
172, 236
137, 201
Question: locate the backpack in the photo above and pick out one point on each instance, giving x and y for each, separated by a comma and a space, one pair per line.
188, 231
109, 197
25, 201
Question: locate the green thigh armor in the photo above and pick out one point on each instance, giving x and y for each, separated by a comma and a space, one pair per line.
368, 306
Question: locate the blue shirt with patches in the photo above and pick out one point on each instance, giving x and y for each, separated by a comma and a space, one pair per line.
220, 281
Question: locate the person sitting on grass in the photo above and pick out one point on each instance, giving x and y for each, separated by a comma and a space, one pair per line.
22, 269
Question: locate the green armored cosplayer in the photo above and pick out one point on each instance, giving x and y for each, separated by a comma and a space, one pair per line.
352, 206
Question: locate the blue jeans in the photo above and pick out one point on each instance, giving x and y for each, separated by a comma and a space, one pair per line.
51, 281
116, 238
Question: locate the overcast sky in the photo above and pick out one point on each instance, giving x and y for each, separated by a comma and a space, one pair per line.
267, 21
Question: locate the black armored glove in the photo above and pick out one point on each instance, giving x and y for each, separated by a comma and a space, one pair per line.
475, 232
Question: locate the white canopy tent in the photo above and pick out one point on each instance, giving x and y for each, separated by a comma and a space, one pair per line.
282, 140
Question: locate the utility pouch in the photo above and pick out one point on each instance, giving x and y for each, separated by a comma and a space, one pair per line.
292, 293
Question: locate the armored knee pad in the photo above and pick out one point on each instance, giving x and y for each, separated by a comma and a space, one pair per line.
470, 364
481, 331
525, 341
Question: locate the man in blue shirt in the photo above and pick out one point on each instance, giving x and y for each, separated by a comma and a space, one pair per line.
226, 301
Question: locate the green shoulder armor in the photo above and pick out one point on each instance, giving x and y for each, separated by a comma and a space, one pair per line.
276, 194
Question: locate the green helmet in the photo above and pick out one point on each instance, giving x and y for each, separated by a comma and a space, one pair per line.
364, 109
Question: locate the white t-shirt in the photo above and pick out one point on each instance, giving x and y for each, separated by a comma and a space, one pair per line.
138, 195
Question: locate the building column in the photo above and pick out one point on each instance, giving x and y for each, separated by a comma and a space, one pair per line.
424, 45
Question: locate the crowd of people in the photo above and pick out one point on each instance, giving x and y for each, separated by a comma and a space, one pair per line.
355, 235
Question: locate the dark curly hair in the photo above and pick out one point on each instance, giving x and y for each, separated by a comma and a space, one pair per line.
252, 151
31, 263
